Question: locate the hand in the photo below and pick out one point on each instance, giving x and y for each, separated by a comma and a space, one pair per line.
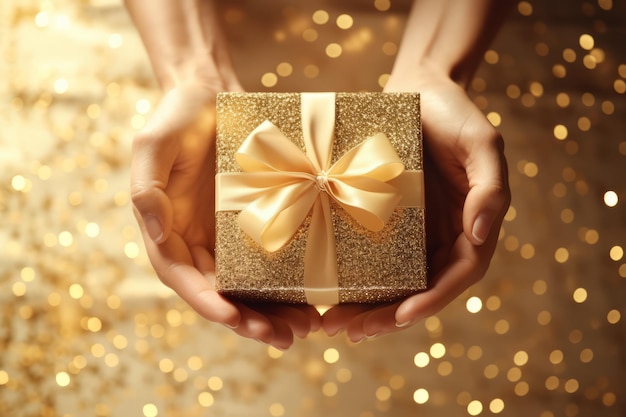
172, 189
467, 196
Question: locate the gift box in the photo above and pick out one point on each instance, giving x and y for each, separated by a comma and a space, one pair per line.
319, 197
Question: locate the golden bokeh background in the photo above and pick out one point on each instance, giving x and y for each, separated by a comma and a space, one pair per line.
88, 330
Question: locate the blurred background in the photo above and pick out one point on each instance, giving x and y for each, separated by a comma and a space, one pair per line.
86, 328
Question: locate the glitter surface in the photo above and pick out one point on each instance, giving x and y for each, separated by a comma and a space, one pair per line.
372, 267
88, 330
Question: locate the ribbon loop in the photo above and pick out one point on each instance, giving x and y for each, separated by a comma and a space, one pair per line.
268, 149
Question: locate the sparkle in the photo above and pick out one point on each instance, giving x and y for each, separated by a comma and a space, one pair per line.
586, 41
334, 50
437, 350
284, 69
382, 5
474, 305
616, 253
115, 40
61, 86
18, 183
131, 249
66, 239
206, 399
561, 255
269, 79
277, 410
345, 21
150, 410
383, 393
320, 17
421, 396
63, 379
496, 405
142, 106
525, 8
474, 408
580, 295
330, 389
421, 359
613, 316
520, 358
345, 375
560, 132
610, 198
331, 355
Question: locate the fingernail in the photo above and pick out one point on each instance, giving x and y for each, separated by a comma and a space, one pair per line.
356, 342
231, 326
371, 336
481, 227
153, 227
333, 334
404, 324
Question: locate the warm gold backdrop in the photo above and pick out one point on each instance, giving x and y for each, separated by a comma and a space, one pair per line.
87, 330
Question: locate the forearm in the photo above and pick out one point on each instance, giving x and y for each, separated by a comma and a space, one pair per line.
183, 41
449, 36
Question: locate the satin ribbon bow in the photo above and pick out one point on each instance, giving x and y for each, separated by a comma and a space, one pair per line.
280, 186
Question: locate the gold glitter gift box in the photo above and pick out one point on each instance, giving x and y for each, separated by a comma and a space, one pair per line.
319, 197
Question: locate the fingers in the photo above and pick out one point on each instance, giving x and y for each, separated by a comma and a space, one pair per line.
466, 266
252, 324
258, 326
174, 264
488, 197
151, 165
338, 317
155, 151
287, 321
361, 321
273, 324
304, 319
276, 324
382, 321
190, 273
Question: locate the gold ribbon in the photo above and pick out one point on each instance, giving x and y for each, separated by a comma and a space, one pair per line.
280, 186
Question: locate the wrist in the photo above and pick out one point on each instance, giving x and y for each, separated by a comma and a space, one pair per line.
198, 70
437, 65
184, 42
447, 38
420, 76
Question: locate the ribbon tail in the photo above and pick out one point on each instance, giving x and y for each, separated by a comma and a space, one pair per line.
320, 259
318, 127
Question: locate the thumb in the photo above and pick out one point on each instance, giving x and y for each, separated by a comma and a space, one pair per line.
488, 197
152, 160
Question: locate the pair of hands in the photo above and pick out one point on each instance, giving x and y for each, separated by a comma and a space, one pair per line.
172, 190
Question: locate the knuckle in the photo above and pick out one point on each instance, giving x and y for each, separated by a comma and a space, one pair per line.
500, 196
142, 138
491, 138
140, 195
